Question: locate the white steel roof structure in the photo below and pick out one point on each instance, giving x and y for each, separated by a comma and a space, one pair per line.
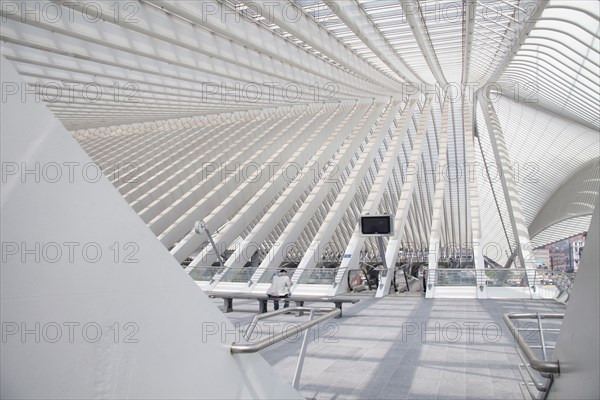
279, 123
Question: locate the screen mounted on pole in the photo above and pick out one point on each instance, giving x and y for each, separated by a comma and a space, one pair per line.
376, 225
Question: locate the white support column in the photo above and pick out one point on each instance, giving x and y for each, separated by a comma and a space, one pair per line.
277, 181
355, 244
470, 174
206, 152
156, 155
470, 10
174, 223
247, 184
287, 199
406, 196
511, 197
320, 192
438, 202
346, 196
209, 175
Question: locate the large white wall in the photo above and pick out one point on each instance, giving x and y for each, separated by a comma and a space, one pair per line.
578, 346
161, 347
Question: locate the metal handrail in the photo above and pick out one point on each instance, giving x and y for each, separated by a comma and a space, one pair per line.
254, 347
538, 385
534, 362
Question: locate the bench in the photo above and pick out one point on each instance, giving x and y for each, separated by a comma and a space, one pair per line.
263, 299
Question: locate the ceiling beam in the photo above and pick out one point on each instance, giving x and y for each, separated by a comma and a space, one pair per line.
351, 14
303, 27
469, 9
414, 16
521, 34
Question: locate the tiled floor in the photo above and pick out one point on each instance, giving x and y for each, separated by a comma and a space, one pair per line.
403, 347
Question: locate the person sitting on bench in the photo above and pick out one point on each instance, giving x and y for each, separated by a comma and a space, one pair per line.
280, 288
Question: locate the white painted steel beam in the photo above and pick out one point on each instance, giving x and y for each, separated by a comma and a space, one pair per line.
469, 12
355, 241
533, 13
305, 28
438, 200
414, 17
316, 196
470, 174
206, 171
507, 179
322, 190
175, 169
404, 205
314, 252
574, 198
219, 18
199, 36
243, 184
288, 198
278, 181
175, 222
350, 13
222, 178
167, 156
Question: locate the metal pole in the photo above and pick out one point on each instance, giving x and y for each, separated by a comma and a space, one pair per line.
541, 329
382, 255
251, 328
201, 226
271, 340
541, 366
300, 362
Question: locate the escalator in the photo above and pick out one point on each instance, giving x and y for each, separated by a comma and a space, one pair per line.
365, 279
408, 278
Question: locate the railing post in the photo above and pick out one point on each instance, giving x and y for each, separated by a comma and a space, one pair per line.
431, 281
543, 342
254, 347
541, 366
300, 362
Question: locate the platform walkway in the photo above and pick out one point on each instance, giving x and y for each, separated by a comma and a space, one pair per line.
406, 347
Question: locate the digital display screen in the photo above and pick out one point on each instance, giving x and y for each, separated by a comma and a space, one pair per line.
376, 225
